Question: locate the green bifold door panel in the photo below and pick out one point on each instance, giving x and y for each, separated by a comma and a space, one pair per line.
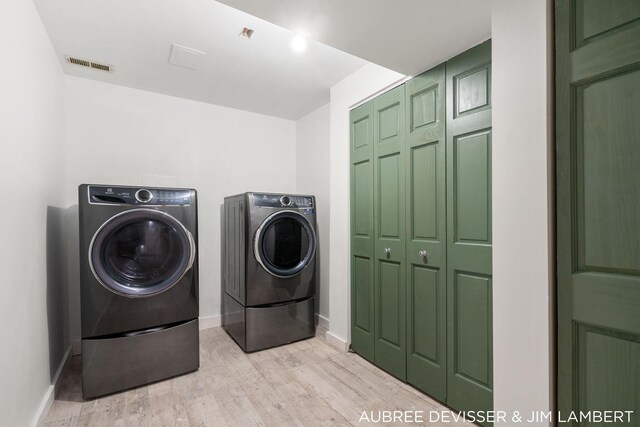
598, 205
426, 233
421, 231
389, 239
469, 314
362, 300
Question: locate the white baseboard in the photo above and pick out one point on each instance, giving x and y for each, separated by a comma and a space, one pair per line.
322, 321
207, 322
49, 396
321, 332
76, 348
336, 342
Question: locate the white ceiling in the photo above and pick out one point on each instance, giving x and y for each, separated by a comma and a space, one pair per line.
262, 75
407, 36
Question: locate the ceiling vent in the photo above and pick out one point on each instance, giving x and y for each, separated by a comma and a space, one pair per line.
186, 57
89, 64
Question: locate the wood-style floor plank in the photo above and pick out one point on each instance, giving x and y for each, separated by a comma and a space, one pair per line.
307, 383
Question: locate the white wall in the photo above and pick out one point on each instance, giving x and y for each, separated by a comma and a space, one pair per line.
33, 302
354, 88
522, 207
118, 135
312, 177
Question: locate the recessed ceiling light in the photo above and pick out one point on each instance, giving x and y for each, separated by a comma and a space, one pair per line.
246, 33
298, 43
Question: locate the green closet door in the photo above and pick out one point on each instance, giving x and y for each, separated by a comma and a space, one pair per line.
469, 313
426, 232
362, 292
598, 205
389, 217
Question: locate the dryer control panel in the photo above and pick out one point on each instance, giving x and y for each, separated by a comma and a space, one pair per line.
282, 201
114, 195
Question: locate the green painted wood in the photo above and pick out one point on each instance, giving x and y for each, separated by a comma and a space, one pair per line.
389, 220
598, 204
472, 187
602, 384
608, 237
472, 317
468, 152
426, 230
596, 17
362, 236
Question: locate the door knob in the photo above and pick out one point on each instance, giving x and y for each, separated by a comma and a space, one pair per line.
422, 253
387, 251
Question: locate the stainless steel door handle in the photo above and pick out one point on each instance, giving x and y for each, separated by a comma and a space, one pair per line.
387, 251
423, 254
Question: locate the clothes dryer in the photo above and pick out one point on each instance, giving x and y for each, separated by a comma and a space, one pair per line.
139, 285
269, 268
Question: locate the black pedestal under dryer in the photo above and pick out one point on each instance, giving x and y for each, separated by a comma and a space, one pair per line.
269, 269
139, 286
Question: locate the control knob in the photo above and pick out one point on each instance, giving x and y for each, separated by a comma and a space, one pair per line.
144, 196
285, 200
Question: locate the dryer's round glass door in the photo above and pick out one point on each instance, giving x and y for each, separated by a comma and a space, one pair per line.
285, 243
141, 252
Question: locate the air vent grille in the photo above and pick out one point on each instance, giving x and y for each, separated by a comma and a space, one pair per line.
100, 66
89, 64
79, 62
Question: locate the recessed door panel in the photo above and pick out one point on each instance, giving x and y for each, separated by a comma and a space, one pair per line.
472, 328
472, 90
597, 17
472, 187
390, 300
362, 198
363, 294
361, 132
424, 191
423, 297
609, 366
388, 122
608, 201
424, 105
389, 196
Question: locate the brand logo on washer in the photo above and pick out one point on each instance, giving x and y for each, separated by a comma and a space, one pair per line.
309, 211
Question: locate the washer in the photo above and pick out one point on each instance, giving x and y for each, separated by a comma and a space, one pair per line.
269, 269
138, 284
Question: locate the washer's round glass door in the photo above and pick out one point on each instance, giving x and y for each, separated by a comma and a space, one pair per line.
285, 243
141, 252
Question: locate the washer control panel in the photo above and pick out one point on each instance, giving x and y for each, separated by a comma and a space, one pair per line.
282, 201
113, 195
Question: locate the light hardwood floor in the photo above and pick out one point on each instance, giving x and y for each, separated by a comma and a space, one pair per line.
306, 383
